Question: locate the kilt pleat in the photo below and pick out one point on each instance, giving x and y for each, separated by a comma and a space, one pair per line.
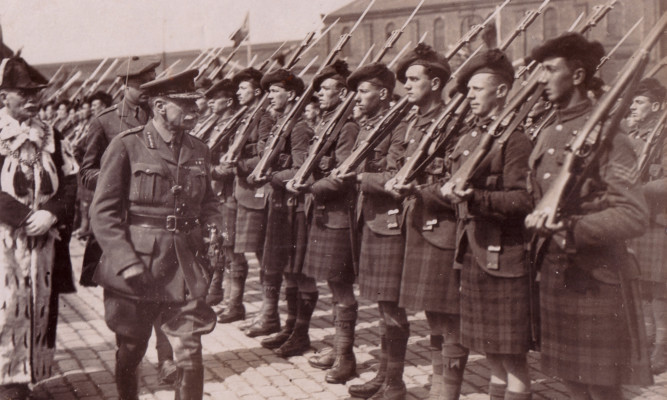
277, 242
495, 312
250, 230
584, 335
300, 243
429, 283
651, 252
381, 266
329, 254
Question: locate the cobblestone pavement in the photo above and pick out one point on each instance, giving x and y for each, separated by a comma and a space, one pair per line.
237, 367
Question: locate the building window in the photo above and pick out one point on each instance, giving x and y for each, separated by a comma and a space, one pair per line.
550, 23
439, 34
388, 29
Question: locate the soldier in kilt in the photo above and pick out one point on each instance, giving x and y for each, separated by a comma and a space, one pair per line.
587, 313
430, 282
251, 201
229, 263
382, 243
651, 248
495, 313
286, 232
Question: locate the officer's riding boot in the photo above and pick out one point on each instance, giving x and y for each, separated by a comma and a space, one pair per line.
190, 384
277, 340
299, 341
368, 389
325, 358
269, 321
455, 358
127, 384
215, 291
235, 310
437, 383
393, 387
345, 365
659, 354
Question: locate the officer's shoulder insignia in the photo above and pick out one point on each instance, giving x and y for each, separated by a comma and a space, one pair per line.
107, 110
132, 131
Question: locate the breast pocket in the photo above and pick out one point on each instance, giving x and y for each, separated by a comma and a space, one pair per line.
196, 186
149, 184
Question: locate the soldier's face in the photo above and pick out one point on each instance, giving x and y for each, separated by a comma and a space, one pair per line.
329, 94
418, 85
180, 114
84, 111
220, 105
369, 98
642, 108
311, 112
96, 106
202, 105
246, 93
483, 94
279, 97
558, 80
20, 104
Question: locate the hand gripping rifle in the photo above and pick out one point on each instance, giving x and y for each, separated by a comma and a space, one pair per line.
234, 151
512, 115
277, 143
449, 120
322, 143
593, 137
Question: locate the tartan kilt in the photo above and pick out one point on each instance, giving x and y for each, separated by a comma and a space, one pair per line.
329, 254
585, 336
250, 230
300, 235
651, 253
380, 266
285, 243
495, 312
228, 224
430, 282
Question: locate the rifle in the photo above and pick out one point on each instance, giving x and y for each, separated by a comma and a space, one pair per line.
388, 123
215, 141
87, 81
449, 120
56, 76
219, 68
266, 62
593, 137
64, 87
322, 143
657, 67
607, 56
473, 32
196, 60
105, 75
234, 151
514, 112
167, 71
278, 141
650, 147
204, 66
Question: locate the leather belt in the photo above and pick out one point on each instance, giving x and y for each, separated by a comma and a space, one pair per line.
171, 223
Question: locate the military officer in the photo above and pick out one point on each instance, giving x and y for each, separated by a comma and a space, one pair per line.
150, 214
430, 282
585, 270
495, 295
651, 248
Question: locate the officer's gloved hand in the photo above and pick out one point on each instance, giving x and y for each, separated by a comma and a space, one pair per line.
136, 276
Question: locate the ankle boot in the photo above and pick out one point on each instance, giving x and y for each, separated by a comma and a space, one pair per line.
226, 290
191, 384
215, 292
393, 387
325, 358
452, 376
235, 310
269, 320
368, 389
659, 354
497, 391
299, 341
345, 364
437, 379
277, 340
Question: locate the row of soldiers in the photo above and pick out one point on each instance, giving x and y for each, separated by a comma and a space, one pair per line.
490, 274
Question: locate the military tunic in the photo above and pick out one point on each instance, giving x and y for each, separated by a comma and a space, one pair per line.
429, 280
330, 248
651, 248
585, 329
495, 313
382, 242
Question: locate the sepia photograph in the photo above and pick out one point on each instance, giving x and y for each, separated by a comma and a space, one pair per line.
333, 199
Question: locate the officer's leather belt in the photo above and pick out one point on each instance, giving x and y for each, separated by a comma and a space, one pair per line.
171, 223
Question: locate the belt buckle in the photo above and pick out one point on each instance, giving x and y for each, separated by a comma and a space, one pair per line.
171, 223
